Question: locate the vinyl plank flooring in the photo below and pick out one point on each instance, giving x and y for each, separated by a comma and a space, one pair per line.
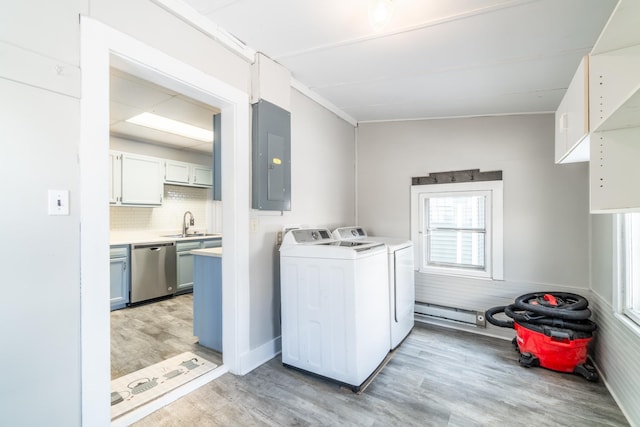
147, 334
438, 377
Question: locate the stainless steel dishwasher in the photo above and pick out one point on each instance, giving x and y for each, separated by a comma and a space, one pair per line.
153, 271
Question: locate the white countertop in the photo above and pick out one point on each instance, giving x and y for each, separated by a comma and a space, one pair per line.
135, 237
212, 252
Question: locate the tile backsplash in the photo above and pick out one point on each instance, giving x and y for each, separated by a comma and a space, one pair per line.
177, 200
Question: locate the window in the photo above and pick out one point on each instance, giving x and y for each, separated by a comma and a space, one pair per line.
629, 266
457, 228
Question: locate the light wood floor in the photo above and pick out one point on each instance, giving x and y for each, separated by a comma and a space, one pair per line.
147, 334
438, 377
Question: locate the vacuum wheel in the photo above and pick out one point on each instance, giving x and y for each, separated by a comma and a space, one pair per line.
514, 341
528, 360
587, 371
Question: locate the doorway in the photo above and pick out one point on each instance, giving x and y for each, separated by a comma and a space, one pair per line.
102, 48
147, 331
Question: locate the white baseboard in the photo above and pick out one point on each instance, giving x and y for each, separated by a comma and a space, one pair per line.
258, 356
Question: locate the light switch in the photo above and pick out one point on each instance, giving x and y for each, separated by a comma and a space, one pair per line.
58, 202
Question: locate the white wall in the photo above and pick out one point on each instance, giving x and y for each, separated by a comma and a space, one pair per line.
322, 194
156, 27
40, 83
40, 315
146, 149
616, 346
545, 205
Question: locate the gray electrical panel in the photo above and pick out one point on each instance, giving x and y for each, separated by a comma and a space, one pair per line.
271, 153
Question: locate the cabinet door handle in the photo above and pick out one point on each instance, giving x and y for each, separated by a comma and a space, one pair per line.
124, 266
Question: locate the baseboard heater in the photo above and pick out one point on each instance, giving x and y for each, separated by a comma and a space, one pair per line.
469, 317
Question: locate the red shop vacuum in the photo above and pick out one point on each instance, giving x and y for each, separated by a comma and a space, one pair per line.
553, 331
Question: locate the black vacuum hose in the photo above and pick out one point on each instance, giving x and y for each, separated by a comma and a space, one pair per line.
501, 323
522, 316
559, 305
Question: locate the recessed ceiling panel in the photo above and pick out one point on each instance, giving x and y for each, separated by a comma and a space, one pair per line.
130, 96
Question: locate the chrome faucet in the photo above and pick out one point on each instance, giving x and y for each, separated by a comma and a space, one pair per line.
185, 226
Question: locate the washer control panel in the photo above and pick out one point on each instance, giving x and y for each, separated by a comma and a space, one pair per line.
307, 235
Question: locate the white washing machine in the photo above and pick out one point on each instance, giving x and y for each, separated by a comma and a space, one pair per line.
332, 295
401, 285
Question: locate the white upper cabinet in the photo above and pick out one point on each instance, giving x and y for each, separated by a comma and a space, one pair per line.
177, 172
181, 173
115, 177
615, 113
141, 180
572, 119
615, 89
202, 176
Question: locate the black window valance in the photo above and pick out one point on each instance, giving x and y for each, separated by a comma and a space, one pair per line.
469, 175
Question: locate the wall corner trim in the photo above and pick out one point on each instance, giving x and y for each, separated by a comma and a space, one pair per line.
299, 86
191, 16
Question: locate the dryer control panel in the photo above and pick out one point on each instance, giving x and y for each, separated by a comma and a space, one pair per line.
347, 233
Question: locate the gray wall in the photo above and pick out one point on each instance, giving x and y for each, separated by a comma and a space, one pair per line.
616, 346
545, 205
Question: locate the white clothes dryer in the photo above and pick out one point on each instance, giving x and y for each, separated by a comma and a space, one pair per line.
402, 291
332, 293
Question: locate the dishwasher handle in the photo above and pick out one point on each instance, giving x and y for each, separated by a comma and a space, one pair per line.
153, 246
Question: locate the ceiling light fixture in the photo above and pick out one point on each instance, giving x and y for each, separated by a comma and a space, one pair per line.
175, 127
380, 12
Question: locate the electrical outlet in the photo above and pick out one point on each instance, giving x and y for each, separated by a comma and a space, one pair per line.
58, 202
254, 225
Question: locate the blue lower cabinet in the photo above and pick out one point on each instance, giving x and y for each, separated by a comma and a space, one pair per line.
119, 276
207, 301
184, 262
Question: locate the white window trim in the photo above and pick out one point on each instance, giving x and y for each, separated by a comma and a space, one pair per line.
623, 258
495, 267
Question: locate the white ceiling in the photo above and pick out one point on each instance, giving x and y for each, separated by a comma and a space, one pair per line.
435, 58
130, 96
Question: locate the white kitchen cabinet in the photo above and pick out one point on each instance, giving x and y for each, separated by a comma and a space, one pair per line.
202, 176
115, 177
142, 182
615, 113
572, 119
177, 172
191, 174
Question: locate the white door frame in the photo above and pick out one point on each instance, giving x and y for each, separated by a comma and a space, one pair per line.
102, 47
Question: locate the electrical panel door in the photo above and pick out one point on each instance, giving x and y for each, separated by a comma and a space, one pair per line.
271, 145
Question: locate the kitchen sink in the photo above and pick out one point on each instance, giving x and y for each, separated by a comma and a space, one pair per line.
184, 236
